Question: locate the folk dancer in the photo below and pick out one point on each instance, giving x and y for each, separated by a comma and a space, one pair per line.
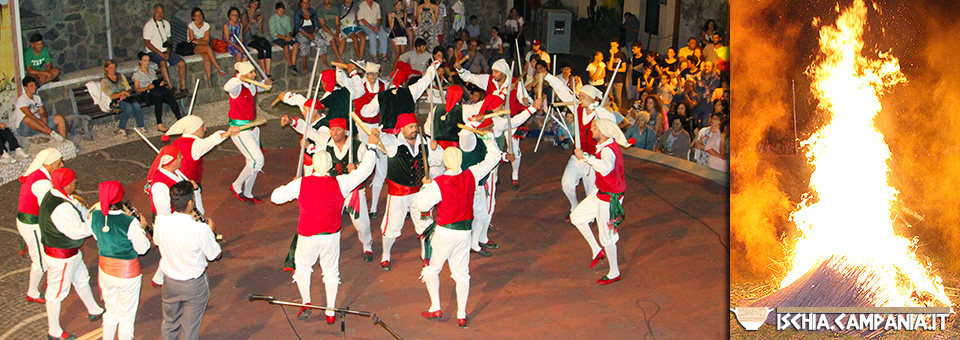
605, 202
162, 176
193, 145
63, 229
243, 109
321, 197
34, 184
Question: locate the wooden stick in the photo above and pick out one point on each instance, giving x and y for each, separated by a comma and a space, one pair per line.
495, 114
558, 104
365, 129
279, 98
254, 82
338, 64
258, 122
460, 62
423, 151
464, 127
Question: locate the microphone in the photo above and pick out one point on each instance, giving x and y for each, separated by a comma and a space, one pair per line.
254, 297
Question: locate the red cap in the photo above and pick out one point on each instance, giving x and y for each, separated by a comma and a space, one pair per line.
338, 123
315, 104
402, 73
329, 79
405, 119
490, 103
62, 178
536, 41
169, 150
110, 193
454, 93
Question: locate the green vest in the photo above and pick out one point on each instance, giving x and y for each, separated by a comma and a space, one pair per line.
113, 243
474, 157
404, 168
446, 129
340, 164
49, 235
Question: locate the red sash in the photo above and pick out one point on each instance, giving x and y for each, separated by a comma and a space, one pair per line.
394, 189
124, 269
59, 253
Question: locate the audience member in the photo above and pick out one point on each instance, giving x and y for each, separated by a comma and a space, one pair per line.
617, 58
233, 34
473, 28
710, 50
640, 134
496, 44
537, 51
156, 37
253, 36
147, 86
671, 63
597, 70
370, 20
631, 28
665, 88
281, 28
637, 63
687, 50
457, 21
37, 61
676, 142
573, 82
477, 63
397, 25
307, 33
31, 117
198, 33
563, 138
698, 52
708, 145
350, 27
428, 25
8, 143
658, 116
115, 86
513, 31
689, 98
328, 16
418, 58
442, 22
706, 33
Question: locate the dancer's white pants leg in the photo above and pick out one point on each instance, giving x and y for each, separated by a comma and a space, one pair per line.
248, 142
481, 215
593, 208
61, 273
572, 175
31, 236
515, 146
120, 298
376, 184
327, 249
398, 207
453, 246
361, 223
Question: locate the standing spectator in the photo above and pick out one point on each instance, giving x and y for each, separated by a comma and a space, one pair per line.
233, 34
473, 28
636, 71
370, 20
676, 142
710, 50
477, 63
708, 145
513, 28
397, 26
621, 76
720, 53
706, 33
417, 58
329, 17
185, 247
597, 71
156, 37
458, 12
670, 62
640, 134
707, 81
688, 50
31, 117
350, 27
410, 7
631, 28
281, 28
306, 32
428, 25
37, 61
253, 36
116, 86
496, 44
8, 142
198, 33
665, 88
146, 84
698, 52
442, 22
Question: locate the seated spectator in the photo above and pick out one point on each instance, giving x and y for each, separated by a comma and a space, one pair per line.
253, 36
688, 122
8, 142
460, 45
115, 86
445, 71
350, 27
371, 22
665, 88
328, 17
537, 51
31, 117
306, 30
707, 80
156, 37
687, 50
38, 62
198, 32
281, 28
573, 82
564, 139
496, 44
458, 22
147, 86
476, 93
676, 142
690, 72
473, 28
690, 99
640, 134
397, 26
418, 58
233, 34
477, 63
670, 62
699, 54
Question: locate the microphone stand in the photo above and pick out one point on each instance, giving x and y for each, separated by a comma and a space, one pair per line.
342, 311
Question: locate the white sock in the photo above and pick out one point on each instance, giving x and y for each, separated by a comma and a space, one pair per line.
591, 240
612, 259
248, 184
463, 291
433, 288
83, 290
387, 245
331, 288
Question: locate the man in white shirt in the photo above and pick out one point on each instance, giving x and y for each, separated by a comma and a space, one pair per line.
185, 247
531, 68
369, 18
156, 38
31, 118
418, 58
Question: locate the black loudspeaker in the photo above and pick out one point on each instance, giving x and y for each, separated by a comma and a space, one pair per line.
651, 23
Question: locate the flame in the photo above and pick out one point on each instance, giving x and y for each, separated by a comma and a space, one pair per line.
848, 212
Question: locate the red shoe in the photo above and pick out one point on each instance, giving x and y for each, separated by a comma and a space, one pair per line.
22, 252
385, 266
304, 312
367, 256
237, 195
288, 269
426, 263
605, 280
37, 300
596, 259
64, 336
515, 185
331, 319
567, 218
432, 315
462, 322
489, 245
254, 200
155, 285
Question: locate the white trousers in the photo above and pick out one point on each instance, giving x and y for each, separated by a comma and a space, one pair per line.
248, 142
572, 175
31, 236
590, 209
482, 214
120, 298
379, 171
362, 223
326, 248
515, 150
453, 246
397, 209
61, 273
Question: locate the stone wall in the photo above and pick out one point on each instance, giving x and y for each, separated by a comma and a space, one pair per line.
695, 13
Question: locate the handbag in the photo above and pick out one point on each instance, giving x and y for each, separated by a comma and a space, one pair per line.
185, 48
219, 46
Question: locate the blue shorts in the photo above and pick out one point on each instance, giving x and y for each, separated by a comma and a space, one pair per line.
171, 61
351, 30
25, 131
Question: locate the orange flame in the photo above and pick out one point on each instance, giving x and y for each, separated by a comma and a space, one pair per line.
848, 212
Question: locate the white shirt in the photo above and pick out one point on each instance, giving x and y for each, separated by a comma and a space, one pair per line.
41, 187
513, 26
607, 161
233, 85
481, 80
199, 32
430, 193
370, 13
32, 105
203, 145
416, 90
347, 182
156, 32
593, 68
160, 193
185, 246
135, 233
566, 95
67, 220
393, 142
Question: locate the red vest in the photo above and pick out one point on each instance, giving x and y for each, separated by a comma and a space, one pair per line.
613, 182
29, 204
457, 202
492, 87
321, 205
587, 143
191, 168
244, 107
365, 99
160, 177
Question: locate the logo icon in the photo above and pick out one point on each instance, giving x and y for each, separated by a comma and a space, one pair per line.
751, 318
